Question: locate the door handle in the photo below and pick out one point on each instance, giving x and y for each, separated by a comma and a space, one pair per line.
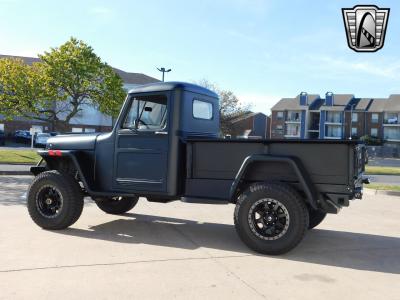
161, 132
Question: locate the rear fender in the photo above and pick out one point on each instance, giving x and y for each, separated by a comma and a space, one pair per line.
293, 162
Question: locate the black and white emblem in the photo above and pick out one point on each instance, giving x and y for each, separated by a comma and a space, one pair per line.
365, 27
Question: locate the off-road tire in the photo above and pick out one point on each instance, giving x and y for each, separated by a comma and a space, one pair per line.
296, 209
316, 217
72, 200
116, 207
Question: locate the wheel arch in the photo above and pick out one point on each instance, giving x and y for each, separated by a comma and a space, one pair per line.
293, 163
62, 160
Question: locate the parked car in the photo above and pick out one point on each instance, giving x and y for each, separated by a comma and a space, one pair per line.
40, 139
2, 138
22, 136
165, 146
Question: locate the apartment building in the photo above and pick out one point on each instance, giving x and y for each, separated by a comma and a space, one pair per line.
289, 117
336, 116
391, 115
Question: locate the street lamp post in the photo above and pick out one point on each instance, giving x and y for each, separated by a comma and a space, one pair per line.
163, 71
351, 121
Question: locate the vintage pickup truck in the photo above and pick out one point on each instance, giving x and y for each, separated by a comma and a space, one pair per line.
165, 146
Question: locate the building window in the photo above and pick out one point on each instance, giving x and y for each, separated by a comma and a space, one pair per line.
202, 110
279, 115
293, 116
278, 130
292, 130
90, 130
333, 117
374, 118
354, 131
333, 131
374, 132
76, 129
354, 117
1, 127
392, 133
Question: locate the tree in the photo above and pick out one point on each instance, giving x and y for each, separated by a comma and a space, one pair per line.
230, 106
57, 88
19, 85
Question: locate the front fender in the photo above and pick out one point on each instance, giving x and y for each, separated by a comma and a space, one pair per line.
50, 156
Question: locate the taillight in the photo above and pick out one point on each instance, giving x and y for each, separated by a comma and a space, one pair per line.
55, 153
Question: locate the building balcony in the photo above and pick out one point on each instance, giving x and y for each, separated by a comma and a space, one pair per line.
293, 120
391, 119
333, 122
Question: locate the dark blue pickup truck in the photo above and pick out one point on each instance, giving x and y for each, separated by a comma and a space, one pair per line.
165, 146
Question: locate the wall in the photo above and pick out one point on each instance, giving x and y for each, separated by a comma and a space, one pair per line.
11, 126
276, 134
370, 124
359, 124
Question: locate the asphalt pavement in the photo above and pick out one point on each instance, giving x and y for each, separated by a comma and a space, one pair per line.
191, 251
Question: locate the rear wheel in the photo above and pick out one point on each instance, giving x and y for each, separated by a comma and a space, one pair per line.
116, 205
55, 200
271, 218
316, 217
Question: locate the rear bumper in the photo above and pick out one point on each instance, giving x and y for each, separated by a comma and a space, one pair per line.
333, 202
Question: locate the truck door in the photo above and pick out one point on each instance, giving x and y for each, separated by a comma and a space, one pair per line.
141, 148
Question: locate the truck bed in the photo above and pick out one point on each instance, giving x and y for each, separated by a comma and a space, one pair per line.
214, 163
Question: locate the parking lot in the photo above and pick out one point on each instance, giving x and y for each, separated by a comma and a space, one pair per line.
191, 251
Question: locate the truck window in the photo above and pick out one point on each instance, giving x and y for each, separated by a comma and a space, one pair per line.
202, 109
147, 113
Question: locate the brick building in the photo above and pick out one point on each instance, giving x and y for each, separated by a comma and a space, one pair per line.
252, 125
89, 120
336, 116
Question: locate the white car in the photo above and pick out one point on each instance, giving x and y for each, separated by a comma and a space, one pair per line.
40, 139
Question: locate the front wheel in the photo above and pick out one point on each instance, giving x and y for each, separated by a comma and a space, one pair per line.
55, 200
116, 205
271, 218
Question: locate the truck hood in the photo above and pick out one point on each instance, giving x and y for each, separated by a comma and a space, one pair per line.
72, 142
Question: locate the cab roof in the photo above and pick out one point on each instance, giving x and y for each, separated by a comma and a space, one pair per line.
172, 85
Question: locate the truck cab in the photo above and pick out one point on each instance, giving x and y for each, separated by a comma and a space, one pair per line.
144, 152
166, 145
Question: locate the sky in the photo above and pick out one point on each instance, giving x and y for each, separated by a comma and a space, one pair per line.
260, 50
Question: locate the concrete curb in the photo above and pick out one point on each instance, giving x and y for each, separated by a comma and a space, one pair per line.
16, 164
381, 192
2, 173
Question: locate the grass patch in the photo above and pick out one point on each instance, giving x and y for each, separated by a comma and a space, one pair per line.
372, 170
19, 156
384, 187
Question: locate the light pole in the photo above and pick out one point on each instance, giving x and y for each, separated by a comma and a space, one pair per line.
351, 121
163, 71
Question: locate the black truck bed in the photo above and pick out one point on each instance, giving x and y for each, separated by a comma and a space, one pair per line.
214, 163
